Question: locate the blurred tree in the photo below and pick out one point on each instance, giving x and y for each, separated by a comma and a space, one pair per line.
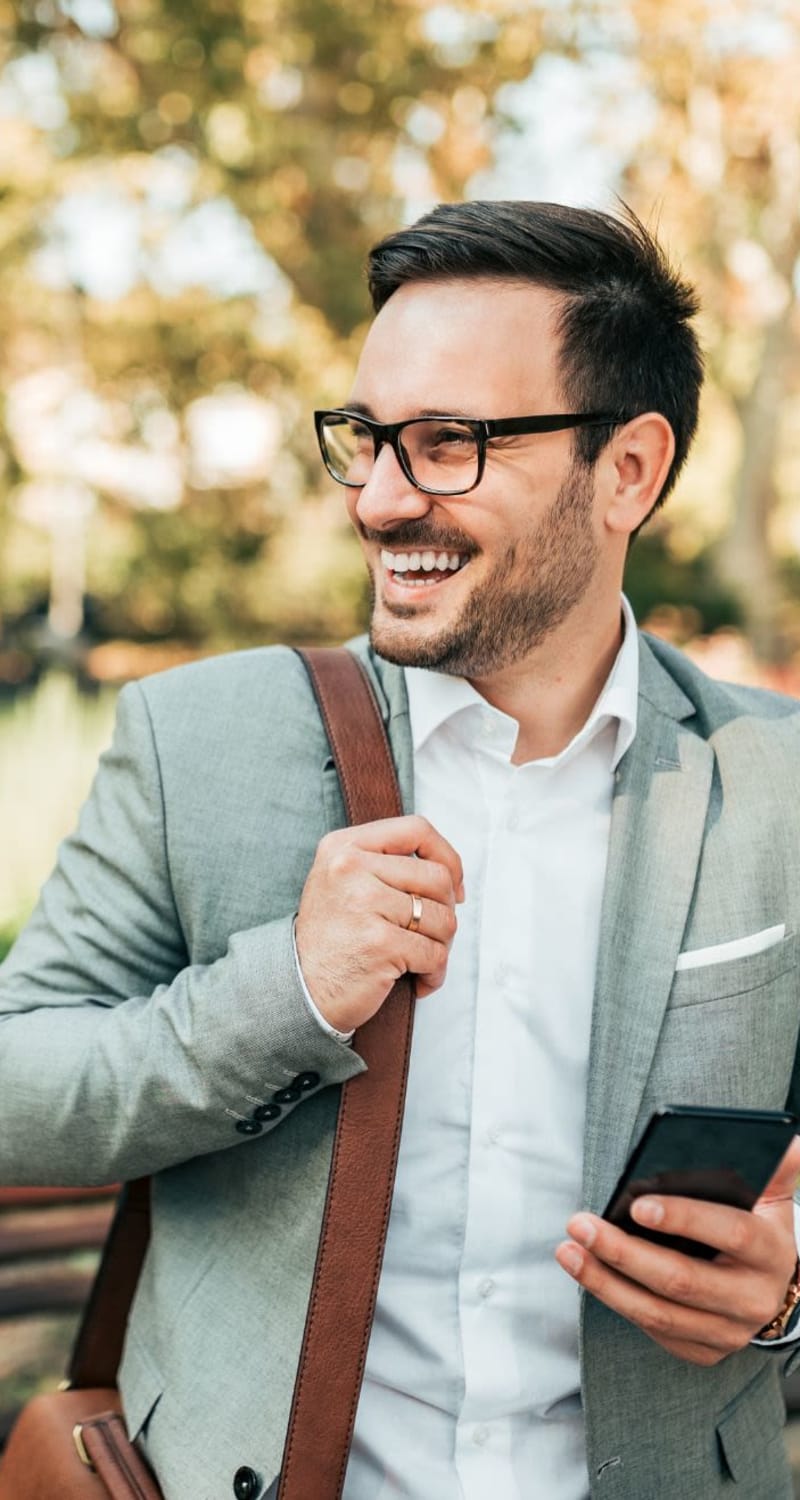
187, 195
722, 157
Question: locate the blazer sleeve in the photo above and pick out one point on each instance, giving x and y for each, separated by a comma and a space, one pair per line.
117, 1057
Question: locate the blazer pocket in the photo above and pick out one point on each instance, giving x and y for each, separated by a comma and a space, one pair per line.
141, 1388
721, 953
750, 1436
737, 976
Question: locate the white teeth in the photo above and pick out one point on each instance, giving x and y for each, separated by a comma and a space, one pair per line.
427, 561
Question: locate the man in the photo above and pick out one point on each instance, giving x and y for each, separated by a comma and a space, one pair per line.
600, 852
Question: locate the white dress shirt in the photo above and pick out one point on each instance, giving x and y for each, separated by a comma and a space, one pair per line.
472, 1380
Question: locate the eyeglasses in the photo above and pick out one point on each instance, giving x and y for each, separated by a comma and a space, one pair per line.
440, 455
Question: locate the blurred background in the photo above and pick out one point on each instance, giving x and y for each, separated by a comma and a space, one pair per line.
187, 194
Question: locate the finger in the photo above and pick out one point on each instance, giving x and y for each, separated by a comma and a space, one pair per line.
436, 920
421, 877
407, 835
745, 1297
422, 955
784, 1181
665, 1322
734, 1232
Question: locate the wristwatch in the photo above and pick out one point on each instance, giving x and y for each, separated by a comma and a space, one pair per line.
785, 1320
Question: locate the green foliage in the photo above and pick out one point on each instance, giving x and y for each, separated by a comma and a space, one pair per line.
305, 121
49, 744
655, 578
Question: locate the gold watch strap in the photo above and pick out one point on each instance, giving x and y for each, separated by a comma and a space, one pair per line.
785, 1319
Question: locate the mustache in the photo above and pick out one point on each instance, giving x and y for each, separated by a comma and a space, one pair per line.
420, 536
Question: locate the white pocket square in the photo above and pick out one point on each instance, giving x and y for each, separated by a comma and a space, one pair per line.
721, 953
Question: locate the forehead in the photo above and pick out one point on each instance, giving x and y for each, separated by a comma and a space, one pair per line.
488, 348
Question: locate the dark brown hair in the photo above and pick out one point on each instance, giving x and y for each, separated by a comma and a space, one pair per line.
627, 344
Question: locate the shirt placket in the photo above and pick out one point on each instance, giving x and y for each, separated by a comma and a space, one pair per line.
483, 1431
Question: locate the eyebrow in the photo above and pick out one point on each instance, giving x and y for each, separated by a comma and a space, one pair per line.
362, 408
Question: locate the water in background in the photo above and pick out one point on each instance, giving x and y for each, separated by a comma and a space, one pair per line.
50, 741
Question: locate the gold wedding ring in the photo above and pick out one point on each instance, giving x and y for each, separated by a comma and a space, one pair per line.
412, 925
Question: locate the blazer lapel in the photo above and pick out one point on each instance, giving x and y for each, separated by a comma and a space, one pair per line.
389, 683
658, 818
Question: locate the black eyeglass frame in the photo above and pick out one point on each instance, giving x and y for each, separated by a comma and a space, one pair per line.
483, 430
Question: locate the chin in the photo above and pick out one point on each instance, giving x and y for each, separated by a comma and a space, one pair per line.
399, 643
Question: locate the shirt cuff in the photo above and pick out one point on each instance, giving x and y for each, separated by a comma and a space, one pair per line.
789, 1338
338, 1036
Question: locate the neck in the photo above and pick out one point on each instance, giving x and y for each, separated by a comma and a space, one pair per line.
552, 692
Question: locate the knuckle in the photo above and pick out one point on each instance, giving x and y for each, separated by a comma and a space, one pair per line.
659, 1322
449, 922
740, 1236
329, 842
707, 1357
763, 1310
374, 933
435, 954
729, 1339
678, 1284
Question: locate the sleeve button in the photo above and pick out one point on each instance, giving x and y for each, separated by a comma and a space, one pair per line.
248, 1127
287, 1096
267, 1112
306, 1081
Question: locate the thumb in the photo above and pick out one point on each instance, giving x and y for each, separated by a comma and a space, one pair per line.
784, 1180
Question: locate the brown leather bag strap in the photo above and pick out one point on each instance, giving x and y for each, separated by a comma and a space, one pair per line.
362, 1170
367, 1138
97, 1349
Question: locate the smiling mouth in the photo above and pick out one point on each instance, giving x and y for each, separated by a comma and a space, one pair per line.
423, 568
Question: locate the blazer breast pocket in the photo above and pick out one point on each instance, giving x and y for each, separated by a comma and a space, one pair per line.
718, 980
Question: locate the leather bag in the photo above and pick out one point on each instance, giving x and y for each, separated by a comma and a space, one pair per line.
73, 1443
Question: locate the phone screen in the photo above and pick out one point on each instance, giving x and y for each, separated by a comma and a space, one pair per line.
718, 1155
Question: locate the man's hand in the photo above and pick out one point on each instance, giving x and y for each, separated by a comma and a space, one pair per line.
352, 927
699, 1310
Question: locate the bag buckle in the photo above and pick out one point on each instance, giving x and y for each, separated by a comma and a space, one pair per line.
77, 1438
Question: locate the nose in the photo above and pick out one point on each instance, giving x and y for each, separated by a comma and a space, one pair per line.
388, 495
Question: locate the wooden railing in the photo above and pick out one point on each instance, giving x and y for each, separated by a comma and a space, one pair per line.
49, 1242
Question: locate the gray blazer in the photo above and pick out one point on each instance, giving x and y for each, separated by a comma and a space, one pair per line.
152, 1002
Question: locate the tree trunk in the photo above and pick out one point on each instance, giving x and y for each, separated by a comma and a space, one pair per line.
746, 561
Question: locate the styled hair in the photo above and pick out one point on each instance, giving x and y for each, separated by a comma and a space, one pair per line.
627, 344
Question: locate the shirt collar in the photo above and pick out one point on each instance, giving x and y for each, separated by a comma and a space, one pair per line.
434, 698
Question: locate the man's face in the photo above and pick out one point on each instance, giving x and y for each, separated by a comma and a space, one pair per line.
525, 538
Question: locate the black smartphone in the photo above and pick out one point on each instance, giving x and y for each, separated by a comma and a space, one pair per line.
718, 1155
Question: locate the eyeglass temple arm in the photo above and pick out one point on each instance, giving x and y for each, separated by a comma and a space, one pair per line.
508, 426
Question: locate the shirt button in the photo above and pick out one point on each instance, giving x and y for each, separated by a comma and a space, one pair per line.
486, 1287
493, 1136
480, 1435
501, 975
513, 822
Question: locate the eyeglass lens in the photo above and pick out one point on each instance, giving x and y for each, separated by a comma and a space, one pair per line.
441, 455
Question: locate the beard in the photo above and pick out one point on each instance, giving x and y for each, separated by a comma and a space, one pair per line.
534, 585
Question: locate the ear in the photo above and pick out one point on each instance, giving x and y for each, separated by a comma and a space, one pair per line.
636, 463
